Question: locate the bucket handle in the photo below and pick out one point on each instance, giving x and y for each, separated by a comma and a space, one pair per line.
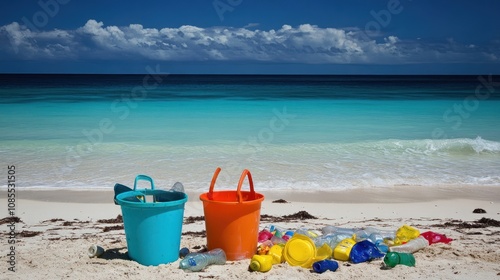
245, 173
145, 178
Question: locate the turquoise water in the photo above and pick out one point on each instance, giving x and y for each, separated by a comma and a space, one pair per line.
291, 132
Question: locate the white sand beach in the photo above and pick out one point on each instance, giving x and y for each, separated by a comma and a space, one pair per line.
56, 229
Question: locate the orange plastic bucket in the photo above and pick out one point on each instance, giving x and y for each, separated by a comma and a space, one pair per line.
232, 218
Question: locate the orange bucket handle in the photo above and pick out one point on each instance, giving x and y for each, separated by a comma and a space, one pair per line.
245, 173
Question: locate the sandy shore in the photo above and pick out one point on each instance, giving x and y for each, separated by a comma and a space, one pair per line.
57, 227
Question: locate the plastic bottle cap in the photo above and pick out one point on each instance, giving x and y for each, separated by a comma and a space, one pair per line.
300, 251
391, 259
183, 252
255, 265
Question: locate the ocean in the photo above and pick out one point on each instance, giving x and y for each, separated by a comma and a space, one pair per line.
304, 133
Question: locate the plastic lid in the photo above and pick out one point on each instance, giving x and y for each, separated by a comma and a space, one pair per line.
323, 252
300, 251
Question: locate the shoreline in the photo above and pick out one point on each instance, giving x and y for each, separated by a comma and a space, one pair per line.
403, 202
396, 194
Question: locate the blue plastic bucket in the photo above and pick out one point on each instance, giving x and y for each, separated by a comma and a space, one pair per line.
152, 228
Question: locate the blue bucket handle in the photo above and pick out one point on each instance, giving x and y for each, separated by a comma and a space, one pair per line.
145, 178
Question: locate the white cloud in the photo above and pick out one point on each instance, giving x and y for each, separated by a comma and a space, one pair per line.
305, 43
252, 24
29, 44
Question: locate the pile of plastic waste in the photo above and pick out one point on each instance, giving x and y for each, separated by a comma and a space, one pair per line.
309, 249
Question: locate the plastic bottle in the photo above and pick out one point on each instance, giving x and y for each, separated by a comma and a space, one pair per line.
324, 239
198, 261
385, 234
331, 239
177, 187
262, 263
277, 231
264, 235
411, 246
405, 234
364, 251
392, 259
275, 228
281, 232
95, 251
276, 252
338, 230
374, 237
278, 240
374, 234
289, 234
343, 249
324, 265
381, 246
287, 237
306, 232
433, 237
379, 241
362, 234
381, 235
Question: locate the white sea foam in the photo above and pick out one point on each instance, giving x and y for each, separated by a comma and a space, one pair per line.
318, 166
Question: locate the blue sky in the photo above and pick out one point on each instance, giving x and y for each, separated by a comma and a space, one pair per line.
251, 36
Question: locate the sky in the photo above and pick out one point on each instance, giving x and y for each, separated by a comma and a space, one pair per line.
251, 36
